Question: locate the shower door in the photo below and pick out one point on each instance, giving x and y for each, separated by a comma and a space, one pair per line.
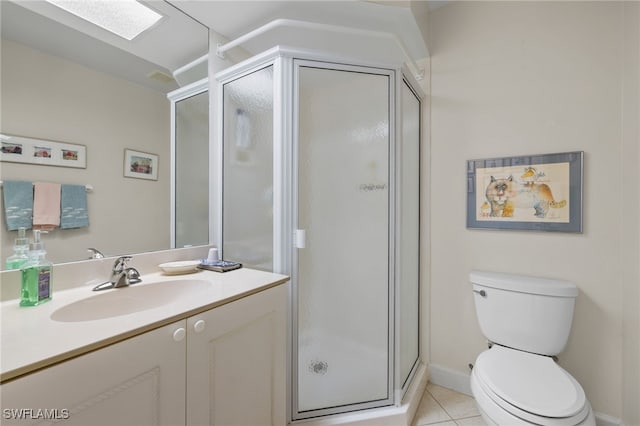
342, 268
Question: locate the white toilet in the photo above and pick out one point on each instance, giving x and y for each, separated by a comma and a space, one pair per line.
517, 381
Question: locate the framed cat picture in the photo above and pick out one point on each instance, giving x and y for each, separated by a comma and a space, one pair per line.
530, 192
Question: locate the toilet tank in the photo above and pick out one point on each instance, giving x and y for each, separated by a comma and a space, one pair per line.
527, 313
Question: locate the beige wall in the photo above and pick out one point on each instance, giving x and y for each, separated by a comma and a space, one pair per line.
517, 78
630, 214
47, 97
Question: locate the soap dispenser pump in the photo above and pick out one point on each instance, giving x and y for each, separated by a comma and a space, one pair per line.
20, 251
37, 274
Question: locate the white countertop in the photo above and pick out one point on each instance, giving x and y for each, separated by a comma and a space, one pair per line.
31, 340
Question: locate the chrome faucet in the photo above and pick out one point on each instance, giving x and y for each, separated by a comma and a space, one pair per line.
95, 253
122, 275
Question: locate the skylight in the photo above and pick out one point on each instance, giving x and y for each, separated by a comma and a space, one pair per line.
125, 18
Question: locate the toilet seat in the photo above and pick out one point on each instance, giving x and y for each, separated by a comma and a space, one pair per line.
531, 387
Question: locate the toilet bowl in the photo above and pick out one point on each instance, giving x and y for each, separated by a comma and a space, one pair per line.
517, 381
513, 387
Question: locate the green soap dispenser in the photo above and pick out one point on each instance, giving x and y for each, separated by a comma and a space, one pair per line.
37, 274
20, 250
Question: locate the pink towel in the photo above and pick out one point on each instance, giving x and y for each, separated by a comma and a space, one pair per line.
46, 206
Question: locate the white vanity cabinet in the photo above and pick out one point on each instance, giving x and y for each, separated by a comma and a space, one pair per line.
225, 366
236, 358
139, 381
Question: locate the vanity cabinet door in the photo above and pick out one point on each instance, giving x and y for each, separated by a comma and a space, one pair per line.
139, 381
236, 362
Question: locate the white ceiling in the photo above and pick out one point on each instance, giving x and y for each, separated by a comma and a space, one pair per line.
180, 37
175, 41
232, 19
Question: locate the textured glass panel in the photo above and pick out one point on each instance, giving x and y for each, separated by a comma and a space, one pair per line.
343, 203
409, 254
247, 221
192, 170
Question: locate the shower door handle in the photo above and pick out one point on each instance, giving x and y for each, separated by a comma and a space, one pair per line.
300, 238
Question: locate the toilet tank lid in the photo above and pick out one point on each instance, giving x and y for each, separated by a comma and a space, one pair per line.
524, 284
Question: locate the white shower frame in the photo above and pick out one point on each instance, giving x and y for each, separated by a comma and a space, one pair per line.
193, 89
285, 129
406, 76
344, 65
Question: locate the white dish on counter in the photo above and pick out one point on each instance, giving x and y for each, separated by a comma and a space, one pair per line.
180, 267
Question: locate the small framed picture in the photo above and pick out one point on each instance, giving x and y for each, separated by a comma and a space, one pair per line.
140, 165
532, 192
20, 149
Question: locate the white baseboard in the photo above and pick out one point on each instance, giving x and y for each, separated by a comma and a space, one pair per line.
459, 382
606, 420
448, 378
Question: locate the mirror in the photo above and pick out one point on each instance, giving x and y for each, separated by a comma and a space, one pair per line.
191, 159
70, 82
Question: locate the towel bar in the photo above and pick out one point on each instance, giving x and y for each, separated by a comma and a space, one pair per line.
88, 188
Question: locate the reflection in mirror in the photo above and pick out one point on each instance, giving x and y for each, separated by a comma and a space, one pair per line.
191, 157
60, 83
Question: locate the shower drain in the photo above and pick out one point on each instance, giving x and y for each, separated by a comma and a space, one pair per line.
318, 367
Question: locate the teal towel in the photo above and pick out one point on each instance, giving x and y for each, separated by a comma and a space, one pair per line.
73, 207
18, 204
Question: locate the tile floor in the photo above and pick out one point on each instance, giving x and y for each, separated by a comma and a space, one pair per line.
444, 407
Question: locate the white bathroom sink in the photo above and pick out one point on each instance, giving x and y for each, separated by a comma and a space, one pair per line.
128, 300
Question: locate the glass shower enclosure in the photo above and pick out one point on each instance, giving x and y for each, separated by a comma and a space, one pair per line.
190, 165
320, 181
343, 270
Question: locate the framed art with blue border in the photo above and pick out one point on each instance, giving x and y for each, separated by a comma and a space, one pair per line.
530, 192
